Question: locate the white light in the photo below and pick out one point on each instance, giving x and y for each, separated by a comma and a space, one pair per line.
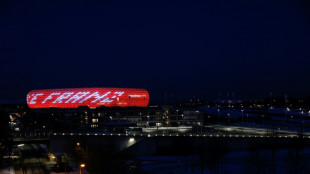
33, 100
98, 97
20, 145
77, 97
64, 96
131, 140
50, 97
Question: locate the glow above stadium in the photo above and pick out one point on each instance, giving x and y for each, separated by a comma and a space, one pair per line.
91, 97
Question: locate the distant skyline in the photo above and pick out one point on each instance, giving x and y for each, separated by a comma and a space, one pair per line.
181, 48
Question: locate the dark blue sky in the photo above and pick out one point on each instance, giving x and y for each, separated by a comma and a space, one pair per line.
185, 48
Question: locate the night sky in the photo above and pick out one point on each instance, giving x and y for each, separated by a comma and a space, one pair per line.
178, 48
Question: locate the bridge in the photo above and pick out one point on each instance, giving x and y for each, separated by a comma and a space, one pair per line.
221, 132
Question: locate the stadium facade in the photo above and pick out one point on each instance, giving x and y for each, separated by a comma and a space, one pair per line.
90, 97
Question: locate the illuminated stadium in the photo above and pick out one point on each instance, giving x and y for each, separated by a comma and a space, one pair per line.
91, 97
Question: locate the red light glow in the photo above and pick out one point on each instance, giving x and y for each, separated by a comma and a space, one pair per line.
91, 97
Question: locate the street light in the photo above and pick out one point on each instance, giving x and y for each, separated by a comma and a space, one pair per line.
242, 115
82, 166
148, 120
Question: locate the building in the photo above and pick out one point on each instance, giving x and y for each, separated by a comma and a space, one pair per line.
90, 97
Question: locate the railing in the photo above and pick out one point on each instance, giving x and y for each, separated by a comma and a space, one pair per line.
180, 135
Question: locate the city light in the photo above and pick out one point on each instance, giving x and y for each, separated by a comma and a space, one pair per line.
82, 166
53, 156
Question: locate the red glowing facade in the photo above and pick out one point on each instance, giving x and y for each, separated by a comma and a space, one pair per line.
91, 97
